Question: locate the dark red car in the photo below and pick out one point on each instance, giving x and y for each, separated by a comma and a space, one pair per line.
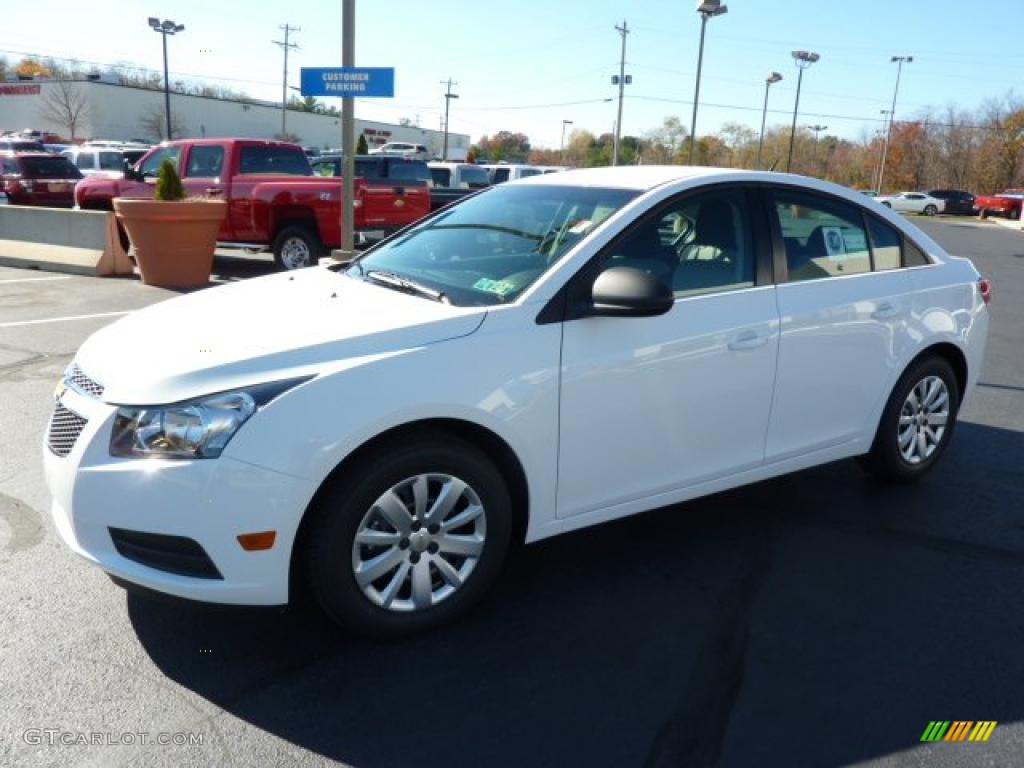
38, 178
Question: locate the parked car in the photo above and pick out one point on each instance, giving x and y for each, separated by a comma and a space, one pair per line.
453, 181
501, 172
1006, 203
391, 168
21, 145
103, 161
957, 200
547, 355
403, 149
274, 199
912, 202
38, 178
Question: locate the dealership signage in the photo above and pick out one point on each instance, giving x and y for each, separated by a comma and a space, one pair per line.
360, 82
27, 89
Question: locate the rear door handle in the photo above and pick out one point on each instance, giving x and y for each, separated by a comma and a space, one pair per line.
748, 340
885, 311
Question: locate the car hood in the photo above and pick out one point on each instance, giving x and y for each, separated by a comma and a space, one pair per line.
270, 328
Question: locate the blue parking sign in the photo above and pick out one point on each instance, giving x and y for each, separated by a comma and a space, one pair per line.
360, 82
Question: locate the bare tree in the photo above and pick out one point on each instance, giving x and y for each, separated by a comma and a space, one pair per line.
65, 104
154, 124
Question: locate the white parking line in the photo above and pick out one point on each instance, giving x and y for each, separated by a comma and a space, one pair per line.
62, 319
35, 279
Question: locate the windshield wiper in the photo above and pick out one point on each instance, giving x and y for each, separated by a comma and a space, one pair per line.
404, 284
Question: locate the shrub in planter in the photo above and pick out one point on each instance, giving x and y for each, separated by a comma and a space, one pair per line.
174, 237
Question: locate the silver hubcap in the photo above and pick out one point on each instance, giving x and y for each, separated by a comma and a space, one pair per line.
295, 253
419, 542
923, 420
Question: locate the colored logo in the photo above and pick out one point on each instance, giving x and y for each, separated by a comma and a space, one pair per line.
958, 730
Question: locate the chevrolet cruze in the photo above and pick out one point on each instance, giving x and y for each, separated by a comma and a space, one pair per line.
546, 355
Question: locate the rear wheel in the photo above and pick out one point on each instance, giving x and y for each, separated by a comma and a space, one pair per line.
296, 247
930, 210
917, 423
409, 539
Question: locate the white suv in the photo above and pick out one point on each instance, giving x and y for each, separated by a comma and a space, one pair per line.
546, 355
403, 149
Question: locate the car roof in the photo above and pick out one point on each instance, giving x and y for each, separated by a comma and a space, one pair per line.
638, 177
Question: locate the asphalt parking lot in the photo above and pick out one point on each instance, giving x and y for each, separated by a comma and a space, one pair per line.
819, 619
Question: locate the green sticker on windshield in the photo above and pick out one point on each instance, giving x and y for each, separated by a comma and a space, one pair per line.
500, 287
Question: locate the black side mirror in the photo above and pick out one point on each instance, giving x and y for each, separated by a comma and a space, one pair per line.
129, 171
629, 292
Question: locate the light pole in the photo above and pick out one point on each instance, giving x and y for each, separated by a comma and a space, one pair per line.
561, 145
448, 96
706, 9
165, 28
802, 59
899, 60
285, 46
773, 78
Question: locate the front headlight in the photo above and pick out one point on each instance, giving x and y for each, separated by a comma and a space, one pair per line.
197, 429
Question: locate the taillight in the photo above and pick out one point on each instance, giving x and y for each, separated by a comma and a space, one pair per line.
985, 289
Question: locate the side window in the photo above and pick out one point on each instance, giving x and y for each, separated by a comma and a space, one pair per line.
914, 256
500, 175
111, 161
205, 162
823, 237
885, 245
442, 176
86, 161
703, 244
475, 177
369, 169
151, 164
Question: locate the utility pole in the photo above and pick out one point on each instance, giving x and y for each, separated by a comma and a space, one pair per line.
165, 28
448, 96
561, 145
899, 60
816, 129
802, 59
621, 82
285, 46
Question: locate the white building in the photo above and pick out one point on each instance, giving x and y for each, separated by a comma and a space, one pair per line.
119, 112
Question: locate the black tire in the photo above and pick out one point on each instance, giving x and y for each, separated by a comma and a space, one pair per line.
296, 238
885, 460
930, 210
340, 509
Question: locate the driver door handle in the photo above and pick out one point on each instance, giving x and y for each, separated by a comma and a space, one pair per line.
748, 340
214, 191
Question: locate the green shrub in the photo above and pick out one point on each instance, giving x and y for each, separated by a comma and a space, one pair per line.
168, 183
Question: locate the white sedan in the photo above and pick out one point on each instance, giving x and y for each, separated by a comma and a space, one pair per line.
913, 202
547, 355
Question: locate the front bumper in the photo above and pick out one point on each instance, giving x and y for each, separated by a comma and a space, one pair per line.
211, 501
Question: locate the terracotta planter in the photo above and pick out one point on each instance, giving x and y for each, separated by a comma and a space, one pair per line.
174, 242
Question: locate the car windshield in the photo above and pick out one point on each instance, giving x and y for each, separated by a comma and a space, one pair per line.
491, 247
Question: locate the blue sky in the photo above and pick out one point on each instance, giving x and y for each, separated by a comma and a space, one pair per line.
527, 65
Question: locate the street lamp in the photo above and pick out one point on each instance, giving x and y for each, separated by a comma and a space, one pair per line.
561, 146
898, 60
165, 28
769, 81
802, 59
706, 9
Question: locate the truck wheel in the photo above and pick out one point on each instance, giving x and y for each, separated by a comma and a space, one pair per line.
296, 247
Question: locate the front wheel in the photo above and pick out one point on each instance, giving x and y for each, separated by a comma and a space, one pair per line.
296, 247
409, 539
917, 423
930, 210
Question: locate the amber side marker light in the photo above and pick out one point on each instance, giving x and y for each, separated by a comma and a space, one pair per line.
254, 542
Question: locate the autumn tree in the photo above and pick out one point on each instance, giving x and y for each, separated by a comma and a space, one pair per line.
504, 145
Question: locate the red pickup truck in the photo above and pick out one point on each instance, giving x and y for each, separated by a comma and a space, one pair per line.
274, 200
1006, 203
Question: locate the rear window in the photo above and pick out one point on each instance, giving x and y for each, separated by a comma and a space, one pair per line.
442, 176
368, 169
49, 168
290, 161
410, 171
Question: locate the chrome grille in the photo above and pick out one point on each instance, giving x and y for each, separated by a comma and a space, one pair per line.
65, 427
77, 379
